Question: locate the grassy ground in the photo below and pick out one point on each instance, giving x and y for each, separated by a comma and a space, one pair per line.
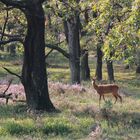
80, 116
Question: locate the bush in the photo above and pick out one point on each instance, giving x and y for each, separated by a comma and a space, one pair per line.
57, 127
18, 128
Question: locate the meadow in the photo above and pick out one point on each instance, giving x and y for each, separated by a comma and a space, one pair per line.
79, 116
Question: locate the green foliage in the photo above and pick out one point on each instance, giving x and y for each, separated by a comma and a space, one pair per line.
57, 127
17, 127
117, 25
108, 105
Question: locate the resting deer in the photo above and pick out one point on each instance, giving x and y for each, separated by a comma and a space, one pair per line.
105, 89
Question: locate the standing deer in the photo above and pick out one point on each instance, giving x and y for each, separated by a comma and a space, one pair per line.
105, 89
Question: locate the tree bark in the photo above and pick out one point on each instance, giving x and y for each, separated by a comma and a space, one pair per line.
85, 71
66, 30
138, 61
138, 69
110, 70
74, 48
99, 63
34, 77
12, 49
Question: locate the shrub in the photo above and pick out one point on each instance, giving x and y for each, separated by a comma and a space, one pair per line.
19, 128
57, 127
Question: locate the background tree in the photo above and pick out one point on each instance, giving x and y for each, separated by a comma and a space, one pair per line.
124, 36
70, 15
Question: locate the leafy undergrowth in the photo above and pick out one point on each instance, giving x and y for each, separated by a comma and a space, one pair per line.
79, 118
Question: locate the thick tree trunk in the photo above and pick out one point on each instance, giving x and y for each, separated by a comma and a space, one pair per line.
34, 76
85, 71
74, 48
110, 70
138, 69
99, 63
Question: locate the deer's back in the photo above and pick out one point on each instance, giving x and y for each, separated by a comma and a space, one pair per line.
107, 88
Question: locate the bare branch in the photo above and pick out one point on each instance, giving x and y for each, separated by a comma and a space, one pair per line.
19, 22
17, 4
20, 77
10, 35
11, 40
19, 101
48, 53
8, 86
6, 96
109, 26
7, 8
55, 47
5, 23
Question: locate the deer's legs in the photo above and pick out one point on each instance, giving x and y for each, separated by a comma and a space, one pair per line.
100, 99
104, 97
120, 98
115, 98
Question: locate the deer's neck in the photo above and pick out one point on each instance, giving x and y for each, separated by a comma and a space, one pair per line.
94, 85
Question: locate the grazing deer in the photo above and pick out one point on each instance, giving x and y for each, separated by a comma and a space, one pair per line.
105, 89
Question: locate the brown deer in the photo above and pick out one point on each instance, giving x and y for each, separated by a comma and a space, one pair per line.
105, 89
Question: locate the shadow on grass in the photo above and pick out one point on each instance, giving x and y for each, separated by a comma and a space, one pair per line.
124, 119
22, 111
10, 111
57, 128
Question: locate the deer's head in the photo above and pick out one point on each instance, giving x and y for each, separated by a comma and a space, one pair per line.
93, 80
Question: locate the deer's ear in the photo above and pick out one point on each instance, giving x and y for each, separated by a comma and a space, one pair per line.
95, 78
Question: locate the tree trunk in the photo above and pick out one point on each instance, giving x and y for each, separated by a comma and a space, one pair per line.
99, 63
85, 71
12, 49
110, 71
138, 69
34, 76
138, 61
2, 48
74, 48
66, 30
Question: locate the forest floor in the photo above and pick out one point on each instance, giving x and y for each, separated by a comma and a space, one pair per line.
80, 117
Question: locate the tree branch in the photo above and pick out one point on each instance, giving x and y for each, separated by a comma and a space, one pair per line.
11, 40
19, 101
6, 96
55, 47
4, 27
12, 36
8, 86
48, 53
17, 4
13, 73
109, 26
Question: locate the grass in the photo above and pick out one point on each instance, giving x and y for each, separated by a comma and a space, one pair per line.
79, 111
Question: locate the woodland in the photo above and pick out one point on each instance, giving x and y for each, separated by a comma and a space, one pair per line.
69, 69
